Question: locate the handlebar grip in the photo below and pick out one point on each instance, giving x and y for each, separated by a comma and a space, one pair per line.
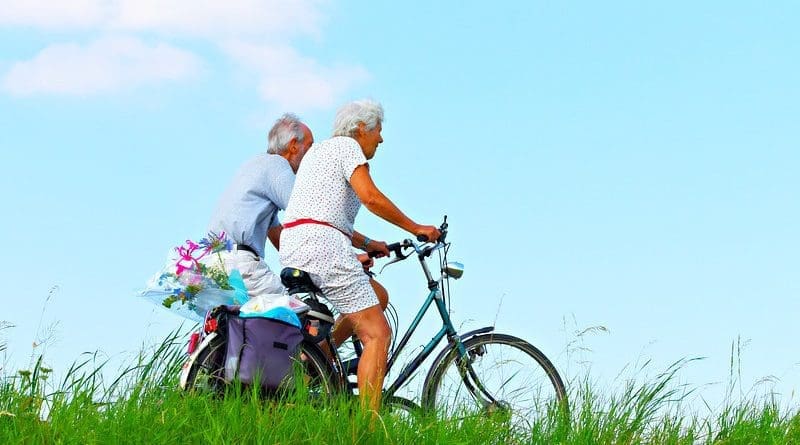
396, 248
422, 238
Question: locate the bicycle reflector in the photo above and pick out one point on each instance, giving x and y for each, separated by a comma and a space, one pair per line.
454, 269
193, 340
210, 325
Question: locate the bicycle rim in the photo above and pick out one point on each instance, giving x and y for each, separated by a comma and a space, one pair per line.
312, 373
401, 408
502, 377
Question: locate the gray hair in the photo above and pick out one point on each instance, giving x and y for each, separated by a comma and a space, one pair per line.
286, 128
351, 114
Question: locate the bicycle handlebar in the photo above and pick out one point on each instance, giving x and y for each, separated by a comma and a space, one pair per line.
394, 247
442, 231
421, 250
397, 248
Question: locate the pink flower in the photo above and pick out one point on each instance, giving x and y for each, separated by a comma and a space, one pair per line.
187, 259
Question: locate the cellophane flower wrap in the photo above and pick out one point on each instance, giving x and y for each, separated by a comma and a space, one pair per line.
195, 279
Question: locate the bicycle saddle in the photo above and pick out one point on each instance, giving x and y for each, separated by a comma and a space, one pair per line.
297, 281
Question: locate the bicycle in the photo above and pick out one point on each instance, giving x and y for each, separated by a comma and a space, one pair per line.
476, 373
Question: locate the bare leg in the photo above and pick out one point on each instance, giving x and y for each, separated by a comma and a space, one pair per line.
343, 328
372, 328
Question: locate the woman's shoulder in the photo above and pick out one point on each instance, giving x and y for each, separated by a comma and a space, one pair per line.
342, 142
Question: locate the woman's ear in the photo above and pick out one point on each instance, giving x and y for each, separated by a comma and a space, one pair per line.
361, 129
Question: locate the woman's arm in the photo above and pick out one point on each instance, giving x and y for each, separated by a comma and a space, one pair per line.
376, 202
363, 242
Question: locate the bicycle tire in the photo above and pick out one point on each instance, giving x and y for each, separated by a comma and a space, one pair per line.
517, 377
207, 373
406, 407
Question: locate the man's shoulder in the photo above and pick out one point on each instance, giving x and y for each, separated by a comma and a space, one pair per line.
266, 161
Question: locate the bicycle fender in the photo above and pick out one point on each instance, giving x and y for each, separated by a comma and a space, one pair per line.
444, 353
184, 376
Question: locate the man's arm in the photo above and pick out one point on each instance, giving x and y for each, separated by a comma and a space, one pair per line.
281, 188
274, 235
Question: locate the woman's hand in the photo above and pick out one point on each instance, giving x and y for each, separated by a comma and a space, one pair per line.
377, 248
365, 260
430, 232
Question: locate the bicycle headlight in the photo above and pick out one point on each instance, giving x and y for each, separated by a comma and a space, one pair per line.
454, 269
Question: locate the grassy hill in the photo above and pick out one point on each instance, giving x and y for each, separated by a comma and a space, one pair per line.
143, 405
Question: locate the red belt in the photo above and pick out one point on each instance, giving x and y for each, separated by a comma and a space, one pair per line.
301, 221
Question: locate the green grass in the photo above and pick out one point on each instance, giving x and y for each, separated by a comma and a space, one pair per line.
143, 405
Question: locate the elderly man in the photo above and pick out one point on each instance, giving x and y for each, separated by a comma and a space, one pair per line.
247, 211
318, 235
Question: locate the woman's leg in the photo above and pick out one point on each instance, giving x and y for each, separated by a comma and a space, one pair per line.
373, 330
343, 328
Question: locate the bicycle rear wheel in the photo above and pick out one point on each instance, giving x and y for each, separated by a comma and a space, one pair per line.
500, 375
206, 373
311, 374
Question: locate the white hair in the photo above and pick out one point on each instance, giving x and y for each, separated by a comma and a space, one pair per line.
286, 128
351, 114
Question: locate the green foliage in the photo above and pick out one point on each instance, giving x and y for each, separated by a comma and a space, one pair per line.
4, 325
143, 405
218, 275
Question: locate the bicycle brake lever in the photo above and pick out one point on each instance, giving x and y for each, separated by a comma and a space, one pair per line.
398, 257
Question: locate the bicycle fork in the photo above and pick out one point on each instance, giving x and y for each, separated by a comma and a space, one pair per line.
464, 359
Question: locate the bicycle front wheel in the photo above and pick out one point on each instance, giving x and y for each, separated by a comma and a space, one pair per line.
499, 375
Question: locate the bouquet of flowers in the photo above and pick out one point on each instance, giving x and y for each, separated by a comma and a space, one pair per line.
196, 279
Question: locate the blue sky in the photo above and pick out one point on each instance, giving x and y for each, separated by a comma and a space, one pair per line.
621, 165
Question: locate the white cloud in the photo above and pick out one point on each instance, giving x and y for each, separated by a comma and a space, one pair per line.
214, 18
292, 81
262, 30
54, 14
199, 18
105, 65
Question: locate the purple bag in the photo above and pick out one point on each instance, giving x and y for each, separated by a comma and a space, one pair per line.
259, 348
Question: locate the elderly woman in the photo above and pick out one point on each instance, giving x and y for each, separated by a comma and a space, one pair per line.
332, 183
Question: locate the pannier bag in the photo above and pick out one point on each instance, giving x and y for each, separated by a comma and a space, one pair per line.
260, 348
253, 350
